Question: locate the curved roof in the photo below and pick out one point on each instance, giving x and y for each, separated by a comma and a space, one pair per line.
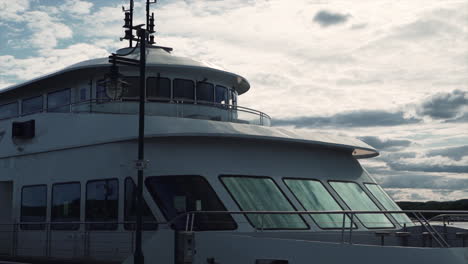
156, 57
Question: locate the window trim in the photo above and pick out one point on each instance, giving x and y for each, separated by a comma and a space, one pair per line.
158, 204
17, 109
277, 186
180, 99
329, 192
29, 98
41, 226
47, 109
116, 223
356, 215
51, 207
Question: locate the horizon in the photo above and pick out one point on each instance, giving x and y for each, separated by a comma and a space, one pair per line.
393, 74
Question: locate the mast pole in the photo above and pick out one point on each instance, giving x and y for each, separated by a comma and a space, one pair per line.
131, 22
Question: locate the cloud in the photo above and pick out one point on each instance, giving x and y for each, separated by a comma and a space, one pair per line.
424, 182
455, 153
326, 18
444, 105
76, 7
46, 30
363, 118
428, 165
385, 144
11, 10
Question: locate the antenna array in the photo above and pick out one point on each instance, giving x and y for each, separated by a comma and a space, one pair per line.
129, 27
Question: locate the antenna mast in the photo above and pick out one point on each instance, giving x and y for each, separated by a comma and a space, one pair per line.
128, 24
150, 22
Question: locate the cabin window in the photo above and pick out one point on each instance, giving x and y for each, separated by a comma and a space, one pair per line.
131, 87
101, 93
388, 203
205, 92
8, 110
59, 101
158, 88
234, 97
356, 199
221, 94
102, 204
180, 194
130, 208
32, 105
315, 197
66, 199
262, 194
184, 90
33, 206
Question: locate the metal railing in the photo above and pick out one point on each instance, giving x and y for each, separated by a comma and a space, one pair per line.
348, 216
174, 108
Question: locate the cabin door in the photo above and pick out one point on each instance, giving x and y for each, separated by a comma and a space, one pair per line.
6, 218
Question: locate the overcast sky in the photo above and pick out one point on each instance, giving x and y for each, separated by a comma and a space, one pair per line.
393, 73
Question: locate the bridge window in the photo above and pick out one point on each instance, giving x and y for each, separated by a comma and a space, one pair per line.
66, 198
262, 194
33, 206
388, 203
31, 105
221, 94
101, 94
131, 87
158, 88
130, 208
8, 110
356, 199
102, 204
184, 90
59, 101
315, 197
180, 194
205, 92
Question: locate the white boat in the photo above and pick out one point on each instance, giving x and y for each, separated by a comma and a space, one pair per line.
221, 184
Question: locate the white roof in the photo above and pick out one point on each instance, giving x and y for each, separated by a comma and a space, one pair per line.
156, 57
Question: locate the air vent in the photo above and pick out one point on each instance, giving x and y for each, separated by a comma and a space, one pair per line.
24, 130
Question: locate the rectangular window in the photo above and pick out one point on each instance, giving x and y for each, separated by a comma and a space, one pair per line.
184, 90
158, 88
66, 199
32, 105
59, 101
131, 87
234, 97
315, 197
388, 203
102, 204
33, 206
262, 194
9, 110
177, 195
356, 199
130, 208
221, 94
205, 92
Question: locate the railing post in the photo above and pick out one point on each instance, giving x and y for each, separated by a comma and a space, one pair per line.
192, 222
48, 238
14, 245
351, 229
343, 228
261, 226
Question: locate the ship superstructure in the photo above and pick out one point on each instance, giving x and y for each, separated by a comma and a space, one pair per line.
221, 185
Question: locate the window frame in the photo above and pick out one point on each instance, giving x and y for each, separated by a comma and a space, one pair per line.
155, 98
158, 203
114, 224
181, 99
277, 186
40, 226
127, 224
130, 98
17, 109
196, 93
329, 192
29, 98
72, 223
48, 109
357, 215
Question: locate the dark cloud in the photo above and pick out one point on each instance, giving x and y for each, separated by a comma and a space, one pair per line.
424, 167
455, 153
444, 105
424, 182
385, 144
326, 18
363, 118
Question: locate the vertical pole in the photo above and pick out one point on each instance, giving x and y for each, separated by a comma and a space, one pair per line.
131, 21
138, 255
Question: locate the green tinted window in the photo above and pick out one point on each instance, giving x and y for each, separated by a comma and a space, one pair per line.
262, 194
314, 197
355, 197
388, 203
